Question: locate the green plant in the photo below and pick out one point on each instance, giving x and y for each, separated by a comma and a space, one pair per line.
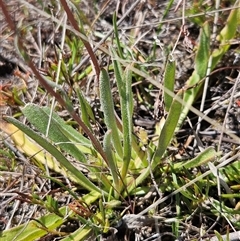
118, 166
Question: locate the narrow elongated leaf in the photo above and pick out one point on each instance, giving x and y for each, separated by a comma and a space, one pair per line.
124, 83
30, 148
207, 155
165, 137
108, 110
201, 60
169, 80
120, 52
189, 96
79, 143
78, 139
168, 129
79, 176
33, 231
39, 119
80, 234
86, 111
219, 236
204, 157
227, 33
229, 30
107, 147
203, 53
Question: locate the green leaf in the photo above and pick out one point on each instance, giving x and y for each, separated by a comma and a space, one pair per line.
203, 55
189, 96
201, 60
168, 130
124, 83
79, 140
86, 110
218, 235
32, 230
107, 147
227, 33
169, 80
229, 30
166, 136
108, 110
80, 234
91, 197
204, 157
80, 178
203, 52
40, 119
117, 35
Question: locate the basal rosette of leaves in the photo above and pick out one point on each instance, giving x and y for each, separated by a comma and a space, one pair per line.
121, 166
